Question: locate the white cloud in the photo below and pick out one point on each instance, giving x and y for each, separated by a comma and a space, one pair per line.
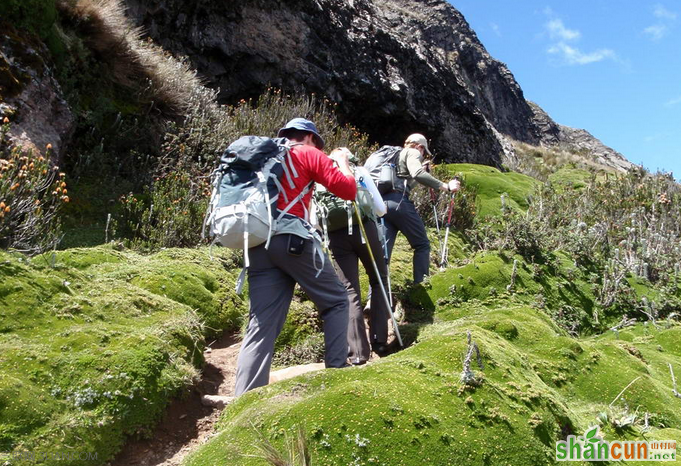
496, 29
557, 30
573, 56
663, 13
657, 137
661, 28
656, 31
563, 40
673, 102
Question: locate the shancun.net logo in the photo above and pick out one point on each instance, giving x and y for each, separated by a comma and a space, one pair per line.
592, 447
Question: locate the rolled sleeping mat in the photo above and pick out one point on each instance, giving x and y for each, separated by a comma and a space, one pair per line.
379, 206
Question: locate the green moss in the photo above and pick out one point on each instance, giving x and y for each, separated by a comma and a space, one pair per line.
643, 288
491, 183
92, 347
302, 321
81, 258
537, 386
410, 408
570, 177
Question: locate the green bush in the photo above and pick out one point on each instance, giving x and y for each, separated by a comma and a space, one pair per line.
170, 212
167, 214
615, 228
463, 203
36, 16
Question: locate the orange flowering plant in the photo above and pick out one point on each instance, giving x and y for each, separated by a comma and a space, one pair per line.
31, 194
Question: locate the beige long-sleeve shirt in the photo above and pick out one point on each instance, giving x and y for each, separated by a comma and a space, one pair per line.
410, 165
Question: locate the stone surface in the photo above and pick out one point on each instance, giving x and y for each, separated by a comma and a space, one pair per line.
293, 371
30, 96
578, 140
584, 142
393, 66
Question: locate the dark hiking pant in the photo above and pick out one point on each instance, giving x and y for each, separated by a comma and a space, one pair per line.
272, 276
347, 250
402, 216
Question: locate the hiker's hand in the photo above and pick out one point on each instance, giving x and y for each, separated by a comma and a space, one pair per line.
341, 155
454, 185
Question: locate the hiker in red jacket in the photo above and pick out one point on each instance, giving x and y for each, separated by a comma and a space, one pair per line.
296, 258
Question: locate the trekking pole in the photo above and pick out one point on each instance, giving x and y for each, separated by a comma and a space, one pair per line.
387, 260
378, 275
433, 199
445, 249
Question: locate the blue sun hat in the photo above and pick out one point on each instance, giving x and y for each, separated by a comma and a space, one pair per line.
303, 125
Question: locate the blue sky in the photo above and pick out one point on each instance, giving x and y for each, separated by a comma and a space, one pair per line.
610, 67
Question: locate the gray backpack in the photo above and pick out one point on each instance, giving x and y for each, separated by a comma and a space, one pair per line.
382, 166
242, 212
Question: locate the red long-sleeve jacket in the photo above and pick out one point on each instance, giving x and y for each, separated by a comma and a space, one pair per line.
314, 165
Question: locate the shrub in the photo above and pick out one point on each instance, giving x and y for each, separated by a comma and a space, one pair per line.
155, 75
31, 194
613, 228
168, 214
37, 16
463, 207
170, 211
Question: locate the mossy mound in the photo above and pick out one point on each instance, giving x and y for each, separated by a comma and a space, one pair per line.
571, 177
491, 184
557, 286
94, 342
538, 385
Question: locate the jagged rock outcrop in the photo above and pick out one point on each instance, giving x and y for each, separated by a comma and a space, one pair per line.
30, 96
578, 140
584, 142
548, 128
393, 66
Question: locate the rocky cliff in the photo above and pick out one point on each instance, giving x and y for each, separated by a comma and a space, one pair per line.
577, 140
393, 66
29, 94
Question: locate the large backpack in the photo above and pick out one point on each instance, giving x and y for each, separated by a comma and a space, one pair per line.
335, 213
382, 166
242, 212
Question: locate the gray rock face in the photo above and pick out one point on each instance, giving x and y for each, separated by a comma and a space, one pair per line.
30, 96
577, 140
583, 141
393, 66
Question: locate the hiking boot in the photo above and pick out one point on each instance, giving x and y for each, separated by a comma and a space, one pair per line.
381, 349
356, 361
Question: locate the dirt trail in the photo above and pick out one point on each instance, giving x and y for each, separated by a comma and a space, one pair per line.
187, 423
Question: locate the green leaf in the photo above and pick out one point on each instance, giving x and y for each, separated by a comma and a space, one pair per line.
590, 434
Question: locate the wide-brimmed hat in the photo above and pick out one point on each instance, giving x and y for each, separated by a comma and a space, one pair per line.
419, 139
303, 125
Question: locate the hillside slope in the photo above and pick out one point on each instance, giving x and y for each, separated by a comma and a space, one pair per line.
393, 67
536, 385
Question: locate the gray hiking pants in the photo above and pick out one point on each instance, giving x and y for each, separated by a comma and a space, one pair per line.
347, 249
272, 276
402, 216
